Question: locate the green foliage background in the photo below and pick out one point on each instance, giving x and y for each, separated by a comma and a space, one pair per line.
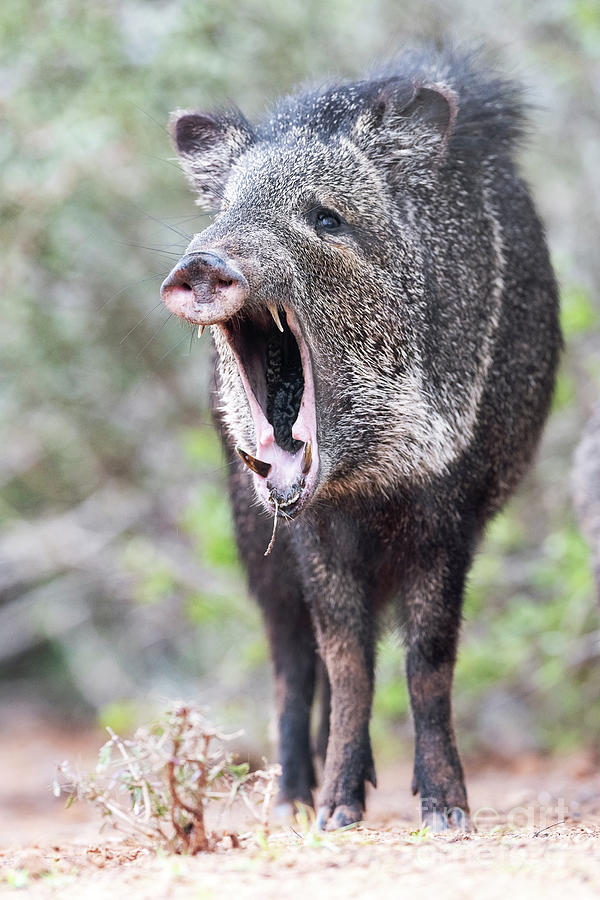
119, 579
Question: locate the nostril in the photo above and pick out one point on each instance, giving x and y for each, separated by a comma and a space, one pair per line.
178, 279
222, 282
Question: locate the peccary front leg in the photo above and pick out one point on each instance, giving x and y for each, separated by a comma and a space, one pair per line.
349, 761
344, 628
433, 619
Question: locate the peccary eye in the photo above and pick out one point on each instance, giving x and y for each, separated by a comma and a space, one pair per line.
323, 219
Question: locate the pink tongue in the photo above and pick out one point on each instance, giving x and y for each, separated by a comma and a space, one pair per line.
285, 467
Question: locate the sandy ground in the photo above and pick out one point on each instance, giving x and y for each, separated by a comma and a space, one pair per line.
539, 835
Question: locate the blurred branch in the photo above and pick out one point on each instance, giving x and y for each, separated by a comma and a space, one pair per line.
34, 550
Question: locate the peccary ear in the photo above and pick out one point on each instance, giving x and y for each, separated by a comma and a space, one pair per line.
207, 146
408, 127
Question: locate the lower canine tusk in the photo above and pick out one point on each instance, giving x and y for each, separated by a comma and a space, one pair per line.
256, 465
307, 461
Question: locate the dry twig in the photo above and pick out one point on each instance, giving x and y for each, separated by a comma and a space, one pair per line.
160, 784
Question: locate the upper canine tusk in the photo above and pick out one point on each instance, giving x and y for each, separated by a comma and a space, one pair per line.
200, 330
256, 465
275, 313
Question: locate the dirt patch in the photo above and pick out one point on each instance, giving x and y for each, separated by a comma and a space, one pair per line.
539, 824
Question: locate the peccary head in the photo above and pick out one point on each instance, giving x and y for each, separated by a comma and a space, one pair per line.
351, 276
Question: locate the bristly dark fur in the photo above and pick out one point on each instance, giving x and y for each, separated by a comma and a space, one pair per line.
431, 318
491, 116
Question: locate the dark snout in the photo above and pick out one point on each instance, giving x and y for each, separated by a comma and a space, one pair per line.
204, 288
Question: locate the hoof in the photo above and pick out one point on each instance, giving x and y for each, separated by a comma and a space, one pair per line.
283, 813
436, 822
442, 821
459, 819
341, 817
286, 812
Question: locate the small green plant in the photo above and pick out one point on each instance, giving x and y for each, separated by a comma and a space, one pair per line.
17, 878
305, 829
421, 834
158, 784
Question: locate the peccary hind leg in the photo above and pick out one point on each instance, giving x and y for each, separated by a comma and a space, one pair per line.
292, 644
276, 584
433, 609
322, 736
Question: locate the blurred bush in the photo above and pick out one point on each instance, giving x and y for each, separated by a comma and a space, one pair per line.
118, 573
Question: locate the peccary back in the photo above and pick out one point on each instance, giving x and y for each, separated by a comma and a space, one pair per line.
385, 319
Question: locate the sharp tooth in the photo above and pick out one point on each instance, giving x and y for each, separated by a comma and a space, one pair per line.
200, 330
307, 461
256, 465
275, 313
291, 501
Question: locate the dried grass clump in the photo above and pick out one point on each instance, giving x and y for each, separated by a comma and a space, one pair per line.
157, 785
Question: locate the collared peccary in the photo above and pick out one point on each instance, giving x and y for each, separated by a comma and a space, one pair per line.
385, 320
586, 488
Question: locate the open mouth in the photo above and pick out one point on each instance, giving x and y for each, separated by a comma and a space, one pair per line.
275, 367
